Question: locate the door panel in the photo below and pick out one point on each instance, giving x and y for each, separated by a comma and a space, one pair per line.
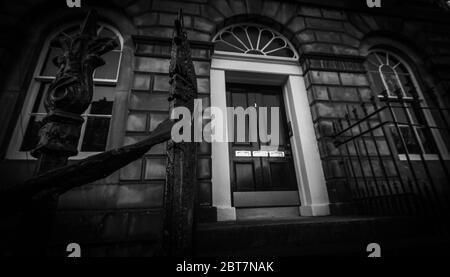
251, 174
245, 177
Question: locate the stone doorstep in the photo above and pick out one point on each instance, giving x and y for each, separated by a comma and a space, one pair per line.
306, 236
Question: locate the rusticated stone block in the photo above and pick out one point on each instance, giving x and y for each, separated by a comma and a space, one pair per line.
211, 13
202, 68
222, 7
204, 25
146, 224
333, 14
164, 32
114, 226
309, 11
324, 24
365, 93
344, 50
320, 93
330, 109
141, 81
137, 122
175, 6
325, 128
155, 168
156, 118
350, 41
306, 36
339, 191
324, 36
353, 31
316, 48
238, 6
152, 64
354, 79
285, 12
113, 196
161, 83
254, 6
195, 35
138, 8
147, 19
328, 148
159, 149
334, 169
297, 24
168, 19
203, 85
270, 8
324, 77
131, 171
343, 94
149, 101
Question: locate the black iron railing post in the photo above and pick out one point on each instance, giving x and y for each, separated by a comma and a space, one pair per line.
411, 125
393, 157
377, 197
402, 141
361, 166
349, 168
380, 158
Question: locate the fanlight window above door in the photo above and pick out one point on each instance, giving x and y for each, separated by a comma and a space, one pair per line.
254, 40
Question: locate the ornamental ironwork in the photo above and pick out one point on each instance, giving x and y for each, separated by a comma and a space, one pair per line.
256, 40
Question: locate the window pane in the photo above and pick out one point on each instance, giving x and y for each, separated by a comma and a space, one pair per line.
408, 85
109, 70
254, 40
156, 118
377, 82
96, 132
242, 35
49, 69
31, 138
155, 169
31, 134
108, 33
427, 141
410, 141
400, 114
103, 92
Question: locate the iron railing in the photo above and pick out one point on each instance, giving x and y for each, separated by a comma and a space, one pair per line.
395, 154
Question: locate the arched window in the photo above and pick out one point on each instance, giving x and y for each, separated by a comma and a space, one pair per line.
97, 117
394, 81
250, 39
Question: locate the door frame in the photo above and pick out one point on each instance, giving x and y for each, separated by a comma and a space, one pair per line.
308, 165
288, 197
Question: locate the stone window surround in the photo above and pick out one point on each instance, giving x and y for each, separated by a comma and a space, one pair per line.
12, 152
415, 65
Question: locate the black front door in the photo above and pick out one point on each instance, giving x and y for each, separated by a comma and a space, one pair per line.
257, 166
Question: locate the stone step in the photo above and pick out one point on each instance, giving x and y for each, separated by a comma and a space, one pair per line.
312, 236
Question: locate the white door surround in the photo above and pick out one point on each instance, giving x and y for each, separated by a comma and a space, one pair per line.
308, 166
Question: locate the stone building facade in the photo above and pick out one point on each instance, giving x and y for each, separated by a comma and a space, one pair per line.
332, 40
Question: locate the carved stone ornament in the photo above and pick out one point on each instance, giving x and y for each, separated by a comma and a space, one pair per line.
70, 94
